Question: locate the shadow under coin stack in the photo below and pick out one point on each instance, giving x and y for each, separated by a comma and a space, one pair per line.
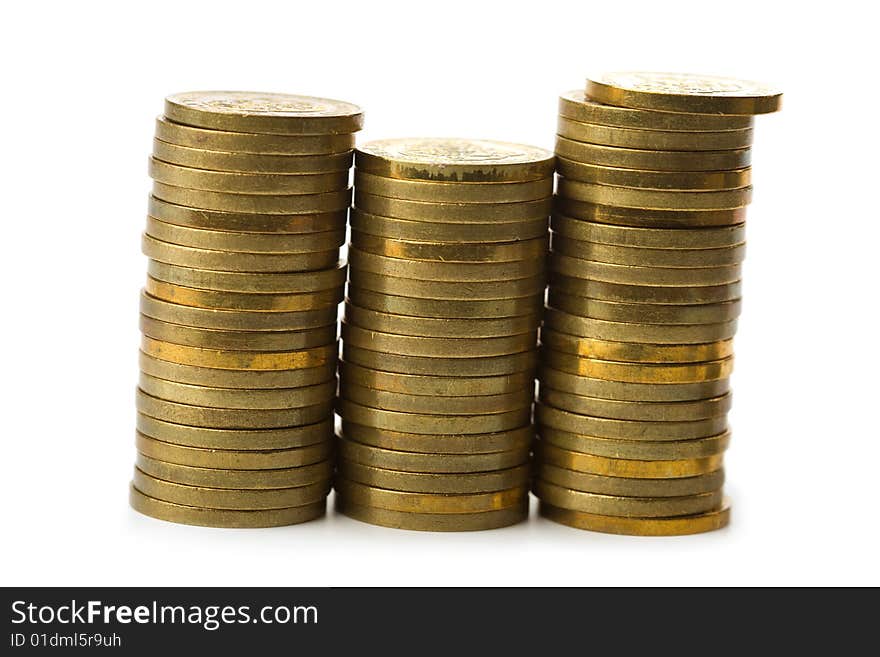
647, 245
239, 314
445, 292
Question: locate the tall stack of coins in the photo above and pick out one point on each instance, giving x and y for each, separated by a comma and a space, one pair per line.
239, 313
445, 291
647, 245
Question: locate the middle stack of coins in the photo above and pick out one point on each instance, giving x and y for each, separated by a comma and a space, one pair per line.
445, 292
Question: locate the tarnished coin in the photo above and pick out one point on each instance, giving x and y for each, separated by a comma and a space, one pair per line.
630, 487
437, 463
211, 160
228, 359
426, 443
652, 160
646, 294
649, 238
236, 479
647, 257
316, 203
683, 180
636, 450
644, 218
428, 482
675, 526
425, 423
436, 404
435, 522
448, 233
410, 345
422, 365
663, 140
651, 276
613, 311
435, 386
451, 290
478, 252
445, 308
641, 411
444, 271
639, 392
268, 302
449, 192
453, 213
428, 502
225, 281
638, 372
440, 327
631, 197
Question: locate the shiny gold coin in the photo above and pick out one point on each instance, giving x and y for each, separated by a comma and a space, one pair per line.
436, 404
235, 320
675, 452
254, 203
646, 294
427, 502
268, 302
660, 140
639, 392
229, 498
214, 160
632, 468
204, 517
644, 257
225, 281
261, 443
630, 197
239, 360
434, 444
435, 522
236, 479
427, 482
629, 487
424, 231
474, 366
671, 180
452, 213
639, 372
250, 459
578, 106
450, 290
236, 398
445, 308
293, 224
642, 218
651, 276
245, 142
649, 238
440, 327
676, 526
231, 418
434, 386
424, 423
449, 192
650, 333
187, 256
652, 160
444, 271
684, 92
265, 113
405, 461
454, 160
613, 311
635, 352
639, 411
247, 183
469, 252
410, 345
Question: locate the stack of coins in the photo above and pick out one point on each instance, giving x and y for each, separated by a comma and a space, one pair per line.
239, 313
445, 291
647, 245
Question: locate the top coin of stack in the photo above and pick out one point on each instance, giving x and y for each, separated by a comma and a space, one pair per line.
446, 284
647, 244
239, 314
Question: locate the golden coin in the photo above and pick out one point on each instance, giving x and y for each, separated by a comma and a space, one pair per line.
249, 459
445, 308
213, 160
451, 290
235, 320
630, 468
239, 360
649, 238
255, 203
452, 213
642, 218
266, 113
638, 507
436, 404
454, 160
652, 160
684, 92
640, 392
428, 482
637, 450
434, 386
652, 276
629, 487
671, 180
229, 498
203, 517
653, 139
245, 142
247, 183
444, 271
640, 411
474, 366
424, 231
450, 192
406, 461
440, 327
635, 352
613, 311
646, 294
469, 252
477, 443
187, 256
676, 526
630, 197
236, 479
225, 281
435, 522
236, 398
578, 106
424, 423
639, 372
428, 502
188, 296
231, 418
261, 442
651, 333
644, 257
410, 345
294, 224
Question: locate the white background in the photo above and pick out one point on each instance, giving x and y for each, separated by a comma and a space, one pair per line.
82, 82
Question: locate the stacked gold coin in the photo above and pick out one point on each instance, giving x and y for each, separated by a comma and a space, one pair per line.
644, 295
239, 313
445, 290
